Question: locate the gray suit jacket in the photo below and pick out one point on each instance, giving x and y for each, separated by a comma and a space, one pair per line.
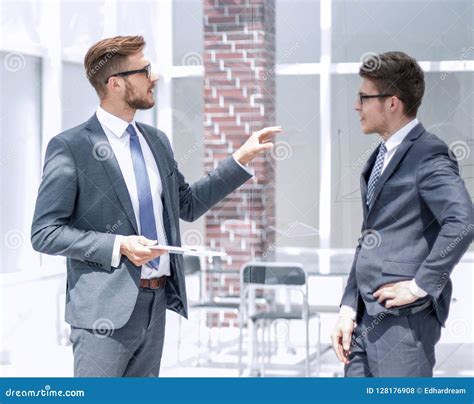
83, 203
419, 225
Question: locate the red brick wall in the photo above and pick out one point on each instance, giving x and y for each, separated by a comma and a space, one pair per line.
239, 58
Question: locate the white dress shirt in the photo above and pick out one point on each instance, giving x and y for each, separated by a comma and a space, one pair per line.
115, 129
394, 141
391, 144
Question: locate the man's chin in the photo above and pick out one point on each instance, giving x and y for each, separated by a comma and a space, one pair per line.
367, 131
148, 105
142, 105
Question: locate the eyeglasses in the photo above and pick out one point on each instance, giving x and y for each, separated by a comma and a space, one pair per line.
146, 70
364, 97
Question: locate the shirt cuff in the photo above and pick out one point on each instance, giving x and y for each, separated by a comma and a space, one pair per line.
116, 253
347, 311
249, 170
416, 290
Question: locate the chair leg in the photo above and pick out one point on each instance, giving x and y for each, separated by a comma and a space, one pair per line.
179, 341
219, 323
268, 327
307, 347
241, 337
251, 328
255, 355
209, 337
199, 340
265, 343
271, 342
254, 346
318, 355
261, 347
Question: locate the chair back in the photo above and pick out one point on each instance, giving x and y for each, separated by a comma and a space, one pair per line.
192, 264
273, 274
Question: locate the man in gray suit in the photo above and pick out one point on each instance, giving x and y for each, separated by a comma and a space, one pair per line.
417, 224
111, 189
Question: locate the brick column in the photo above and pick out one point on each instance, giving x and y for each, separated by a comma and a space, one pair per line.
239, 91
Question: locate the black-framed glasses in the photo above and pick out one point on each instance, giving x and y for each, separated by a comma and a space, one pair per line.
363, 97
146, 70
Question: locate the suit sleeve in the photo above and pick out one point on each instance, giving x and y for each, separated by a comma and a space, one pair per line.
51, 231
350, 295
444, 193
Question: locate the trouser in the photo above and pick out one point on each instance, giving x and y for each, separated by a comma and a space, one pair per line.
132, 351
394, 346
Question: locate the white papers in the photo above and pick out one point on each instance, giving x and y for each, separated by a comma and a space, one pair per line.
199, 251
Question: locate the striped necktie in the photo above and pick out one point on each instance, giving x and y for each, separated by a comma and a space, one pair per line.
375, 175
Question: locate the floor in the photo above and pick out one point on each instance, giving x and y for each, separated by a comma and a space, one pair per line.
217, 357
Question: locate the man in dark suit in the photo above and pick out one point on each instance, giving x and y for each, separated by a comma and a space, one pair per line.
417, 224
111, 189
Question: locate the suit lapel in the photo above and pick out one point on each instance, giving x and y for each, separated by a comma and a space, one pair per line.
364, 179
397, 157
97, 136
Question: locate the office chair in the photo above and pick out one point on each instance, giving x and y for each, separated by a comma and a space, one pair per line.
275, 276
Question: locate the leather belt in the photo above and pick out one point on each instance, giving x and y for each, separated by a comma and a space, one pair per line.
153, 283
408, 311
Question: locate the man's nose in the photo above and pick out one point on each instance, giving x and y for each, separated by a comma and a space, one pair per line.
154, 77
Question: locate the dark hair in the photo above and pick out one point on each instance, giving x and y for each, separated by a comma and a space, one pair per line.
109, 56
398, 74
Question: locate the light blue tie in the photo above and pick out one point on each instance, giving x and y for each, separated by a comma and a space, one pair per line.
147, 216
375, 175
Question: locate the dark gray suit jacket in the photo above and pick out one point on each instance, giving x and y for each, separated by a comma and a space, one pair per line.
83, 203
419, 226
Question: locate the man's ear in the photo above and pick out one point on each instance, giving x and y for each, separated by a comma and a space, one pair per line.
114, 84
395, 104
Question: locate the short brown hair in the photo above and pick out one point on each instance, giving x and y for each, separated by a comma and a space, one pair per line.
108, 57
398, 74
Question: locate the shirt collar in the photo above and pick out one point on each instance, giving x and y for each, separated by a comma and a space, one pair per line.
115, 124
394, 141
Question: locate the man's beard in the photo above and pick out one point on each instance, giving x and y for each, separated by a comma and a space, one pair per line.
134, 101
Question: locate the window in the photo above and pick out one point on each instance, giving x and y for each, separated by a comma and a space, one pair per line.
188, 142
20, 157
296, 161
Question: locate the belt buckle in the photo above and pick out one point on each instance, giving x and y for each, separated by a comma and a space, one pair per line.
152, 281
